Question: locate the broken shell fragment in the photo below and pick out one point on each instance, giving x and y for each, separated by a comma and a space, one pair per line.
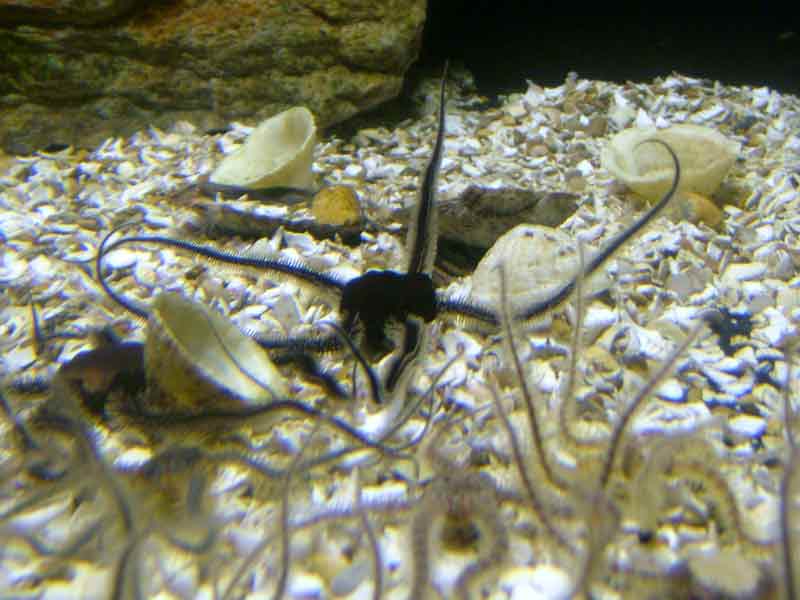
705, 157
724, 573
279, 152
197, 360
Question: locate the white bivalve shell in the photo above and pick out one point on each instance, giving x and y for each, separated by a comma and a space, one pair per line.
537, 261
279, 152
705, 157
197, 360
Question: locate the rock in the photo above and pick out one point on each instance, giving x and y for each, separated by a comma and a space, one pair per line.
480, 215
75, 12
477, 215
471, 220
78, 72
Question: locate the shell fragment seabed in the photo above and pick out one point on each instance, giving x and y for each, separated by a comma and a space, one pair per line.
664, 281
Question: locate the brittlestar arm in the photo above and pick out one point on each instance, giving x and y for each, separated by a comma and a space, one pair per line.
463, 308
422, 234
412, 343
543, 306
286, 267
279, 265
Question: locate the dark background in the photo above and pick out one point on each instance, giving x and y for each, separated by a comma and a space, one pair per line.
504, 42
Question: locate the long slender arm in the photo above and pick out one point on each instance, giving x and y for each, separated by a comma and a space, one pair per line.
595, 263
422, 231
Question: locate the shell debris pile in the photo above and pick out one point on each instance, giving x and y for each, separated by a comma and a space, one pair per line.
55, 207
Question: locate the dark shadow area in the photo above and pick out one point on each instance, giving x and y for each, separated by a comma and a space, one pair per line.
504, 42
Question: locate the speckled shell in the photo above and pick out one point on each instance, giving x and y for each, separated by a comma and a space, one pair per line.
336, 205
197, 360
705, 156
279, 152
536, 259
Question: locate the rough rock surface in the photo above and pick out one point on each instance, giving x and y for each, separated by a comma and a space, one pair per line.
76, 72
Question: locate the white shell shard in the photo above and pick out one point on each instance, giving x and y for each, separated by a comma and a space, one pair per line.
122, 259
747, 426
536, 583
705, 156
199, 359
12, 266
671, 419
279, 152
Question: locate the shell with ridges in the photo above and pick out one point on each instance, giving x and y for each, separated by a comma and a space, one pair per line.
197, 360
705, 156
279, 152
537, 260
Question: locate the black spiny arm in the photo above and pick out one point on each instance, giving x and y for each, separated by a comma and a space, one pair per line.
564, 292
422, 231
287, 267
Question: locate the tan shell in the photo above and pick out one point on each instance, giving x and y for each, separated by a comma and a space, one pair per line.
537, 260
197, 360
705, 156
279, 152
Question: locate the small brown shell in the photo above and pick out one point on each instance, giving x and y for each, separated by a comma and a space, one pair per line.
336, 205
696, 208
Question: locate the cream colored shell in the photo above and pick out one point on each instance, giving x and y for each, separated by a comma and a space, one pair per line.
279, 152
705, 157
197, 360
537, 261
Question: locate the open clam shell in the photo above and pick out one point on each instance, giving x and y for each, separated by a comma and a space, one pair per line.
197, 360
705, 156
278, 153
